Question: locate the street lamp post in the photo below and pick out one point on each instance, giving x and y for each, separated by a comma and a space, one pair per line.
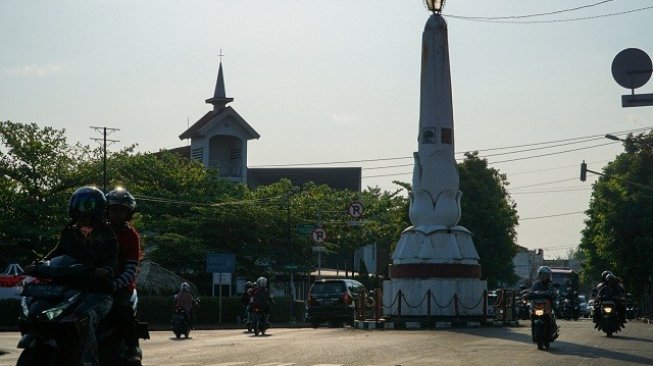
290, 256
612, 137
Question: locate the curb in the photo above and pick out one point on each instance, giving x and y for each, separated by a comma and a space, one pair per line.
371, 324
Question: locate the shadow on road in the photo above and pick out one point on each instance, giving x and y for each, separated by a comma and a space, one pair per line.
561, 347
180, 339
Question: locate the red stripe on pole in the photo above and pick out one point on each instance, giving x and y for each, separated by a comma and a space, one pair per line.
431, 270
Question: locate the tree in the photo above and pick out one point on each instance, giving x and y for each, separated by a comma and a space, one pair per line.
491, 215
37, 166
618, 233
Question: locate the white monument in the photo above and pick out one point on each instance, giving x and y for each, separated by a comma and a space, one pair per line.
435, 257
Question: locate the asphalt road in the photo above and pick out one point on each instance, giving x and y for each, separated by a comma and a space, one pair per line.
579, 344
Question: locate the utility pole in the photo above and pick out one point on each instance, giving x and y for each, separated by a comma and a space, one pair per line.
104, 140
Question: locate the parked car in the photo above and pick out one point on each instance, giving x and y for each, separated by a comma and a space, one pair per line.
590, 307
333, 301
583, 307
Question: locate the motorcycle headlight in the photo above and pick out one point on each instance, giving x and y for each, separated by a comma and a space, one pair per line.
607, 309
539, 312
54, 312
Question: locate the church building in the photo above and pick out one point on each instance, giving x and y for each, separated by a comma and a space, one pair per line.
219, 140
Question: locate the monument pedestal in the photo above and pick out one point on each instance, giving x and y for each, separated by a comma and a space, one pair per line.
435, 272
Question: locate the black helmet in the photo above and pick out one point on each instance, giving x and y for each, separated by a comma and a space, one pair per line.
605, 274
121, 196
544, 273
87, 202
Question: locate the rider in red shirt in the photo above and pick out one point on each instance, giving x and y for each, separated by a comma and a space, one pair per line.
120, 208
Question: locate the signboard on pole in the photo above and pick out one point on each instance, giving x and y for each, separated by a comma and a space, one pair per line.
305, 229
319, 235
355, 209
222, 279
220, 263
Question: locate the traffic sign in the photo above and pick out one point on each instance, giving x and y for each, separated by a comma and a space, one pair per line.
355, 209
319, 248
222, 278
221, 263
305, 229
319, 235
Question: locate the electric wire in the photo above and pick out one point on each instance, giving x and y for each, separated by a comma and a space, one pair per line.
588, 138
567, 20
540, 14
550, 216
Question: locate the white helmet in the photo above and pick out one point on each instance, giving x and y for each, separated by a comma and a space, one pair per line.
185, 286
262, 282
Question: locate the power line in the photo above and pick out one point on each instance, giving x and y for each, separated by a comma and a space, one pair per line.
555, 168
553, 191
549, 216
588, 138
545, 183
533, 15
202, 204
549, 154
494, 162
497, 20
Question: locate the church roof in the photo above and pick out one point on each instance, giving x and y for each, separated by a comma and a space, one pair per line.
198, 128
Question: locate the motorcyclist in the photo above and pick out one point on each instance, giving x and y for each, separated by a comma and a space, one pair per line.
121, 206
89, 240
544, 286
614, 291
595, 290
245, 300
261, 298
184, 298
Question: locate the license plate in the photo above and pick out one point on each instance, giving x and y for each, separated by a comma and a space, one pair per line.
43, 290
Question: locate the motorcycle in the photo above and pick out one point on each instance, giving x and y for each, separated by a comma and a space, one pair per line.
566, 309
524, 312
180, 322
248, 319
543, 328
609, 321
51, 331
111, 347
631, 312
259, 320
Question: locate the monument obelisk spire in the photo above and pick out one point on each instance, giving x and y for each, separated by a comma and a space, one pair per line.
435, 254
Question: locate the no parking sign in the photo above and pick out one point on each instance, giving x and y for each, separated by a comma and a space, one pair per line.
319, 235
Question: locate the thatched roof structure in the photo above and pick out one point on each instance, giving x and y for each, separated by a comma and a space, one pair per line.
154, 280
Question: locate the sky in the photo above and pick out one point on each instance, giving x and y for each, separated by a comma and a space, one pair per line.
338, 81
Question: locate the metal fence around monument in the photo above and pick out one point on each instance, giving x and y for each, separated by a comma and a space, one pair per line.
504, 306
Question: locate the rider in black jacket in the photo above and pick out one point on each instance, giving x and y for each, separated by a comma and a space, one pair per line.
89, 240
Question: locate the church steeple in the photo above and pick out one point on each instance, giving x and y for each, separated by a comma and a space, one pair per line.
219, 99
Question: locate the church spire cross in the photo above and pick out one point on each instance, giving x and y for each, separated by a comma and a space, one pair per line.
219, 99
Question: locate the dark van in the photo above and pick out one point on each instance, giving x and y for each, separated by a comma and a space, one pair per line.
333, 301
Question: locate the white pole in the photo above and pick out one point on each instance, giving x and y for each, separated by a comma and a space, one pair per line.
220, 300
